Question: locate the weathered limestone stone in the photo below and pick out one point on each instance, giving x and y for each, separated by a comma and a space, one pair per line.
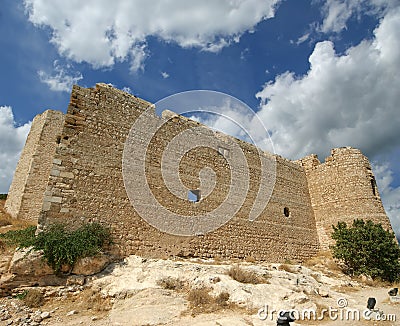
27, 261
25, 196
307, 196
91, 265
342, 189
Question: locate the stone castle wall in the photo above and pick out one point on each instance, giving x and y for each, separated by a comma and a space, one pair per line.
342, 189
86, 184
25, 196
120, 164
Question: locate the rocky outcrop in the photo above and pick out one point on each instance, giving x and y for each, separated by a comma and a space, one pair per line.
91, 265
28, 267
27, 261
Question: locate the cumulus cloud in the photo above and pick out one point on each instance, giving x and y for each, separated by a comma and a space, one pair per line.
390, 195
62, 80
343, 100
103, 32
12, 141
337, 13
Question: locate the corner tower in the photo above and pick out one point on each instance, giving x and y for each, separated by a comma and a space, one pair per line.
25, 197
342, 189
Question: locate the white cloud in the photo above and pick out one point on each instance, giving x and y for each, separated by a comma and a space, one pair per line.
337, 13
164, 74
103, 32
127, 89
302, 39
12, 141
390, 195
343, 100
63, 79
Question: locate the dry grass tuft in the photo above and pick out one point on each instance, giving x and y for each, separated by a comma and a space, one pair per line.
287, 268
199, 297
201, 301
91, 299
243, 276
34, 298
250, 259
13, 224
324, 261
171, 283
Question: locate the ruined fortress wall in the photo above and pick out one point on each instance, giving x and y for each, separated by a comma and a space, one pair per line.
86, 184
24, 200
343, 189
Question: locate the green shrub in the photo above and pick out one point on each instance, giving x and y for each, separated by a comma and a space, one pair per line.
60, 245
367, 248
3, 196
21, 238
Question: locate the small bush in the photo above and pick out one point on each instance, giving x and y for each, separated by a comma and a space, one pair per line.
22, 238
243, 276
34, 298
199, 297
222, 299
287, 268
200, 301
94, 300
171, 283
64, 247
60, 245
3, 196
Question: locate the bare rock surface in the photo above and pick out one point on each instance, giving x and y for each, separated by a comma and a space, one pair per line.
143, 291
91, 265
27, 261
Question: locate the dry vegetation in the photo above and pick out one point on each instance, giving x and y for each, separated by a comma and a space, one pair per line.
287, 268
7, 223
171, 283
34, 298
324, 261
201, 301
244, 276
91, 299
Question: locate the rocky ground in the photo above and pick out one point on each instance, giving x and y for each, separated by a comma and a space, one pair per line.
139, 291
142, 291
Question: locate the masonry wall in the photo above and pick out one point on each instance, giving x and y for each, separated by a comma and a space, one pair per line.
86, 184
24, 200
342, 189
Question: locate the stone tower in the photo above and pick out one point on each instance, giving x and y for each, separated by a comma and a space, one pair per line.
25, 196
342, 189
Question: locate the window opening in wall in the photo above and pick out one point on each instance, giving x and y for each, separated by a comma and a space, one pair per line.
373, 185
286, 212
58, 140
194, 196
224, 152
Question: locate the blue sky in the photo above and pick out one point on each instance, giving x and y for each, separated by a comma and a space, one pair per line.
319, 73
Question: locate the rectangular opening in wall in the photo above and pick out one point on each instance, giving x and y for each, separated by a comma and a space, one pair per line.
224, 152
194, 195
373, 185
